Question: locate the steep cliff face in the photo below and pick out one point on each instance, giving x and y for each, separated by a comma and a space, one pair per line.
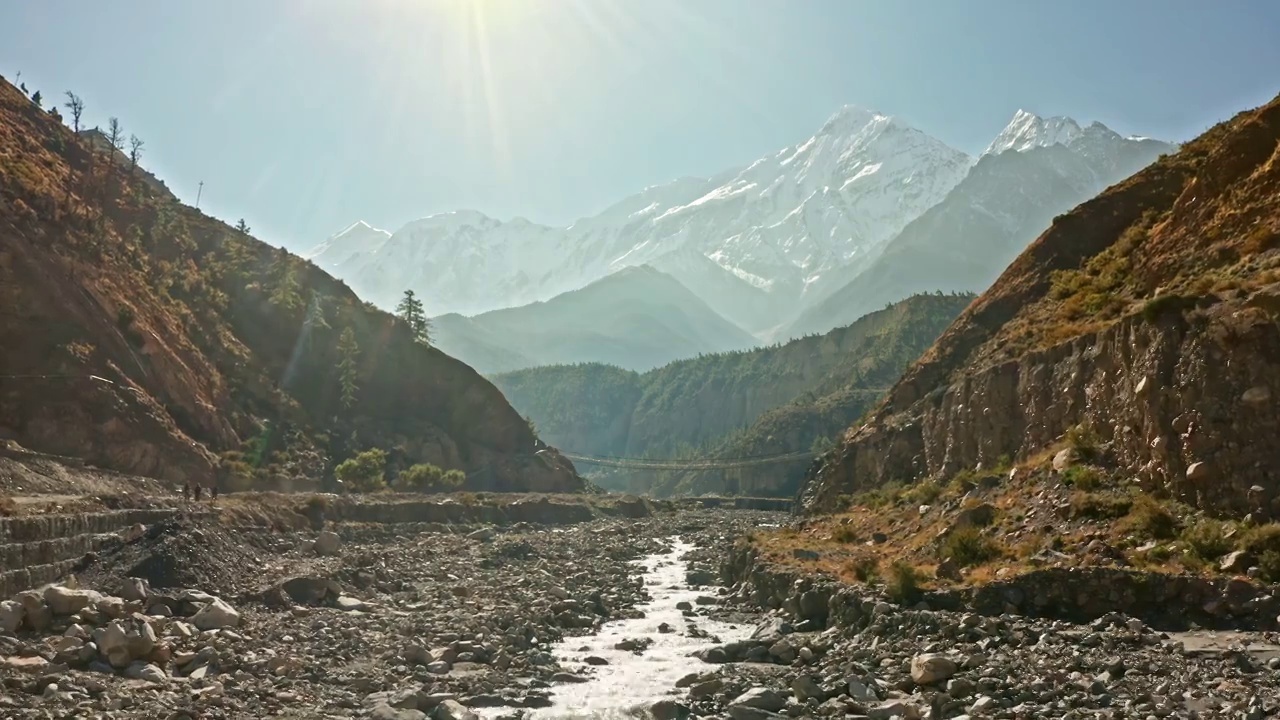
1150, 314
146, 337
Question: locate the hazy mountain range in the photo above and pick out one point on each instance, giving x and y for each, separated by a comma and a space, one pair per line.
865, 212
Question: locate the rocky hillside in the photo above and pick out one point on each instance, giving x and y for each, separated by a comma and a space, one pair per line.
1037, 169
775, 400
146, 337
1147, 318
637, 318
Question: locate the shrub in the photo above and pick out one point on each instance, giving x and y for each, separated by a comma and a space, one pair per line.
883, 496
1156, 307
1083, 440
904, 582
865, 569
845, 534
364, 473
1261, 239
1207, 540
1261, 539
124, 317
1269, 566
924, 493
967, 546
1152, 519
7, 506
1083, 477
1100, 506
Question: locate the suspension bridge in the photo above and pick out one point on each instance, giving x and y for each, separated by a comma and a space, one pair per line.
690, 464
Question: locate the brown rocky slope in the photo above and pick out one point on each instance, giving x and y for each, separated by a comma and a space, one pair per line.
144, 336
1149, 316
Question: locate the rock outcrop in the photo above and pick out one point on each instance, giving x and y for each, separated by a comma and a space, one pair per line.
1148, 318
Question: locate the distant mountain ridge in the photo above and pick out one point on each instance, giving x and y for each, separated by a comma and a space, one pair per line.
763, 244
637, 318
769, 230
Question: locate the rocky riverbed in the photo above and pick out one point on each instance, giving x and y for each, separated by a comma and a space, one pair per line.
607, 618
393, 621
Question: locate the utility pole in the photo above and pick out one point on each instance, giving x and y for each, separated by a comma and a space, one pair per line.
199, 192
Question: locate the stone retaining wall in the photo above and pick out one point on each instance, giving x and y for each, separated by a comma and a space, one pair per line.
39, 549
1162, 601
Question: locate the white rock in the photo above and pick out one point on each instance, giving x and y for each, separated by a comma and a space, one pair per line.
216, 615
760, 699
66, 601
453, 710
1257, 395
135, 589
11, 616
327, 543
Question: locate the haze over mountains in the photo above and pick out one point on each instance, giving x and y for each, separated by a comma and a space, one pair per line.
865, 212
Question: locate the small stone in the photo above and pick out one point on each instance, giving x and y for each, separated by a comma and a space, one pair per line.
386, 712
453, 710
1198, 471
805, 687
1257, 395
1237, 561
983, 705
860, 692
595, 660
707, 688
890, 709
668, 710
760, 699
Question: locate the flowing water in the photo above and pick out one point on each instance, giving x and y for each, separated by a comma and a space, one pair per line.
632, 682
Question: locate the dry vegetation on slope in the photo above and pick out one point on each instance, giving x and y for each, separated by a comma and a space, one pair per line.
146, 337
1149, 314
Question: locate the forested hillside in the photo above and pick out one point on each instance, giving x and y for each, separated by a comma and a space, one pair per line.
142, 335
775, 400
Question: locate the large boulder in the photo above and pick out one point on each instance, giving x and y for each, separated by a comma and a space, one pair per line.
327, 543
311, 589
67, 601
11, 616
931, 668
36, 611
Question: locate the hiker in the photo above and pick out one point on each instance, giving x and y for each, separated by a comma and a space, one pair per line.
214, 492
186, 490
198, 489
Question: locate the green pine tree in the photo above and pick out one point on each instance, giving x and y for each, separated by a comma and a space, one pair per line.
348, 351
410, 310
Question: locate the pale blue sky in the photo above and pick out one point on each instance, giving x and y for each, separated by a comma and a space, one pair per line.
303, 116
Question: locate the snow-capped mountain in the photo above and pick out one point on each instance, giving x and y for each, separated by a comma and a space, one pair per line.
356, 239
769, 231
868, 210
1036, 169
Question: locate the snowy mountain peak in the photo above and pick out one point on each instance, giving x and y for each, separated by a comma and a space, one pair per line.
853, 118
1028, 130
358, 237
